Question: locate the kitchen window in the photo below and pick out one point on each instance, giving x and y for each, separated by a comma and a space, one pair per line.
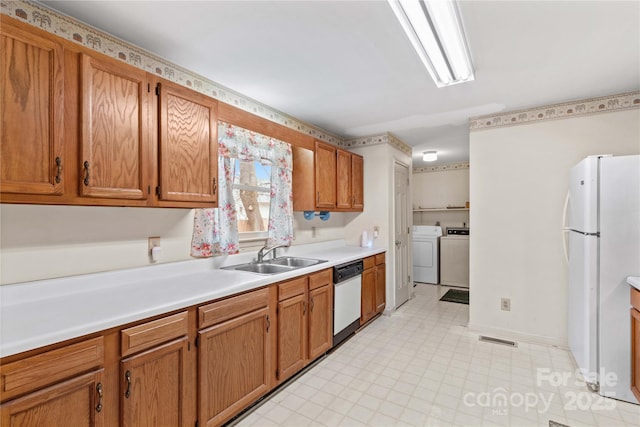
252, 197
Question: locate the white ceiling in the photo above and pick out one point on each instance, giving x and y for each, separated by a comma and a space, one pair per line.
347, 67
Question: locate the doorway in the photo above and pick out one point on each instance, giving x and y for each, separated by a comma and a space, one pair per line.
401, 233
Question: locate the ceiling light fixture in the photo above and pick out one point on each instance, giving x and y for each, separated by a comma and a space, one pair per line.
430, 156
435, 30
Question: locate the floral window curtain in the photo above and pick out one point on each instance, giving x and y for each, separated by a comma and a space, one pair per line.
215, 231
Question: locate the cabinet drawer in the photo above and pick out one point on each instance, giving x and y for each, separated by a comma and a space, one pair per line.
369, 262
152, 333
380, 258
229, 308
48, 368
292, 288
319, 279
635, 298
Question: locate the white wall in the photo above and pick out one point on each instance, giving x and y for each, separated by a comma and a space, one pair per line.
379, 161
40, 242
438, 190
519, 180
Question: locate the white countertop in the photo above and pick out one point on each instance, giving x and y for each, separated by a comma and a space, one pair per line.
40, 313
634, 281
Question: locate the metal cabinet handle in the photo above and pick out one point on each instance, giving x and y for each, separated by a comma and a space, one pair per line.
127, 377
86, 172
268, 323
304, 308
215, 186
58, 169
99, 390
318, 198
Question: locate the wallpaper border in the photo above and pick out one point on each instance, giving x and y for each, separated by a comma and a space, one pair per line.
603, 104
442, 168
385, 138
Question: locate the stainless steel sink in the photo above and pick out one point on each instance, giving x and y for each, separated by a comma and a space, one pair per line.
262, 268
275, 266
296, 262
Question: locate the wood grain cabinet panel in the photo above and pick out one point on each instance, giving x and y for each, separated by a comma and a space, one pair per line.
368, 305
320, 320
31, 113
325, 171
113, 131
292, 335
357, 182
234, 360
76, 402
153, 386
381, 288
188, 145
343, 180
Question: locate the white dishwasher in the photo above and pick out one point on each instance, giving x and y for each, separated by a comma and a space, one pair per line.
454, 258
347, 279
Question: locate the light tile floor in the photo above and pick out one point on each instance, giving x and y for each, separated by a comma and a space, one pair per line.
422, 367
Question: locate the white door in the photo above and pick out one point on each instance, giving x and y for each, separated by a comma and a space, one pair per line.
401, 233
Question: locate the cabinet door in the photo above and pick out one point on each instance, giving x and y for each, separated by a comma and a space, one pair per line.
234, 366
325, 176
343, 176
357, 182
320, 320
368, 303
292, 335
76, 402
31, 96
188, 145
114, 130
381, 289
153, 385
635, 352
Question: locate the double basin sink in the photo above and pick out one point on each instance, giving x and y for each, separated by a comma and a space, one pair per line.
275, 266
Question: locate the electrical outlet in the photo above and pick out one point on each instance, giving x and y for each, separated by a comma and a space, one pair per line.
153, 242
505, 304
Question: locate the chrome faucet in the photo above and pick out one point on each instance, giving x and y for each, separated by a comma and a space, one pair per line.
262, 253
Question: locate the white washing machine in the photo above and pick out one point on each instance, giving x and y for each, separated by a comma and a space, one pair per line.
425, 253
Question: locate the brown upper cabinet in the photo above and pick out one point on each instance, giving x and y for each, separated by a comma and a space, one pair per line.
338, 184
188, 145
32, 90
81, 128
113, 129
325, 170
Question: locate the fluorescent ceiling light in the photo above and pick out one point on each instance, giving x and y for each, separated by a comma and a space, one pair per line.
430, 156
435, 30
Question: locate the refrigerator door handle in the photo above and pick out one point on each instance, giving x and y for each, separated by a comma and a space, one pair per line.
565, 229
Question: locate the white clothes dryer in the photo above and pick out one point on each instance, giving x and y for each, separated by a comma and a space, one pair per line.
426, 249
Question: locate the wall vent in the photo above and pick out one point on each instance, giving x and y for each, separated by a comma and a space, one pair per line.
498, 341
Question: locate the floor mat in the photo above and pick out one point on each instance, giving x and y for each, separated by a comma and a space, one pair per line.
456, 295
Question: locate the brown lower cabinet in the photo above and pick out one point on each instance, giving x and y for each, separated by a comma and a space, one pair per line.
305, 322
635, 342
203, 364
373, 295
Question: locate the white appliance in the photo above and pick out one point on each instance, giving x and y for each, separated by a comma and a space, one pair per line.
347, 279
454, 258
604, 248
425, 253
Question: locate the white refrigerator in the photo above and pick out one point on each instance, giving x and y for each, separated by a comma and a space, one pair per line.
603, 249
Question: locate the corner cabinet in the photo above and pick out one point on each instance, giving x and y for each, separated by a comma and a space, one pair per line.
188, 145
32, 156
